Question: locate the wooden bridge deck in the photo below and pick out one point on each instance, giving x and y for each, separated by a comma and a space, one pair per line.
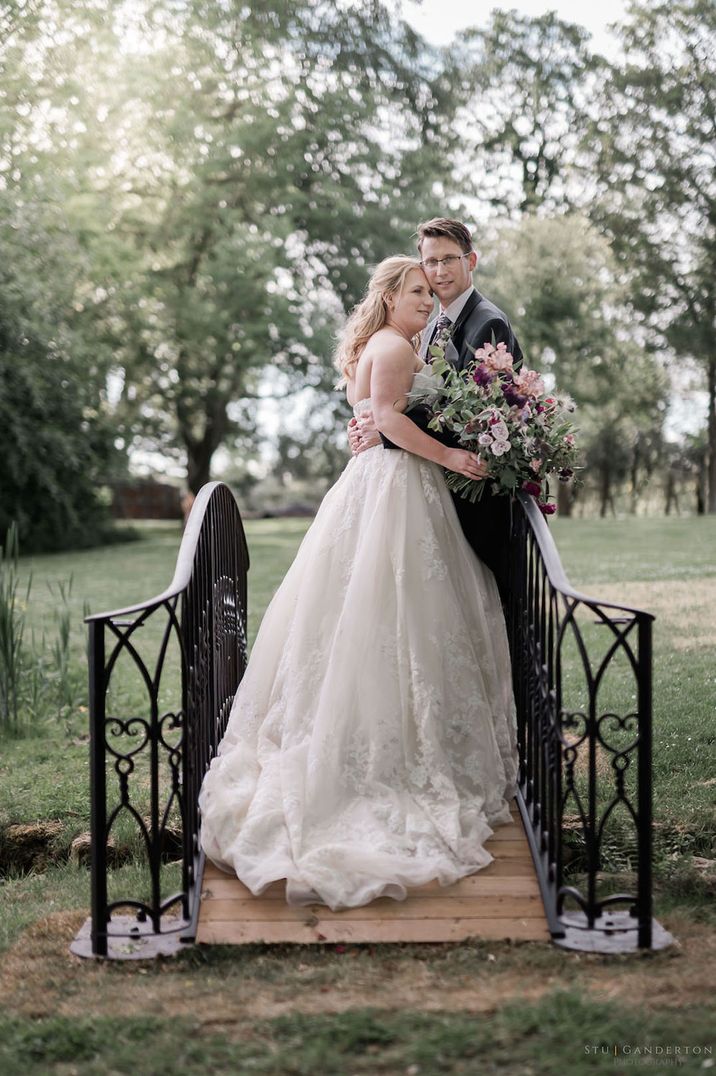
500, 901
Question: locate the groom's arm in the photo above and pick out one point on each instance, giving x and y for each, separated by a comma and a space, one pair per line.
420, 415
512, 344
499, 330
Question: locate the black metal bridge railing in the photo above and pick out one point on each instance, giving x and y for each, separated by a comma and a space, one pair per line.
584, 719
582, 675
147, 762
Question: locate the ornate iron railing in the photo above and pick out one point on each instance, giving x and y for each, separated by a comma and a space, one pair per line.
148, 762
582, 681
582, 671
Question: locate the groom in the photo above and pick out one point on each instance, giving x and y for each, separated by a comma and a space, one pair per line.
466, 320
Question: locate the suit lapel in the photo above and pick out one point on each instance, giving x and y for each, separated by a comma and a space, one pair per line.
472, 301
458, 333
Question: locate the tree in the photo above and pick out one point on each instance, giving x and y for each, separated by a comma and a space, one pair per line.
652, 142
525, 83
560, 282
284, 142
230, 172
56, 435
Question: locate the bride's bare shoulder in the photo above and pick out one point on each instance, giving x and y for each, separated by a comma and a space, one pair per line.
387, 346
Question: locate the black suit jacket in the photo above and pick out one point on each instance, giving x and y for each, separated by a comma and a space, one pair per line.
487, 523
479, 319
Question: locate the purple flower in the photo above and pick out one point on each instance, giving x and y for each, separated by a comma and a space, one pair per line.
546, 508
533, 488
512, 396
482, 375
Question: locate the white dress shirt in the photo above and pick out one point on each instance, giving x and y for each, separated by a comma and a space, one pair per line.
454, 310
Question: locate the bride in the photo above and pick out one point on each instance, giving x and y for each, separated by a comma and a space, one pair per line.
371, 746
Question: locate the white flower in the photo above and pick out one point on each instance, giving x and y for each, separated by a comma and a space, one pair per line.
499, 448
484, 439
499, 431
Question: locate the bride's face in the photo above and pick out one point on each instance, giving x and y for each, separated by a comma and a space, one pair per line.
412, 307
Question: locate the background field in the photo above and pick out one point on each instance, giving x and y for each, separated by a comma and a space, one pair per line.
359, 1008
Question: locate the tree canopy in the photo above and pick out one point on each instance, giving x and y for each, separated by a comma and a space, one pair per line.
196, 190
653, 156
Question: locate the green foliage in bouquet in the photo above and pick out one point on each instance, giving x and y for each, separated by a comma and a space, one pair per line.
524, 434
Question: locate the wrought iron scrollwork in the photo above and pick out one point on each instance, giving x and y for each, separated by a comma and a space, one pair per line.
147, 767
585, 746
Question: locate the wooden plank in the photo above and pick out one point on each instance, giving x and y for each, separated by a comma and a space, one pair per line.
370, 930
499, 901
509, 850
477, 885
504, 907
511, 832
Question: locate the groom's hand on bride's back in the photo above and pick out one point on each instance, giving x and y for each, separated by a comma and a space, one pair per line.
362, 433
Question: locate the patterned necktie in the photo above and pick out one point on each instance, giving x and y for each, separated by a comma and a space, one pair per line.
441, 334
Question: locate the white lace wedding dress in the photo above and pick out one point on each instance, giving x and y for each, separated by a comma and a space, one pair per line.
371, 746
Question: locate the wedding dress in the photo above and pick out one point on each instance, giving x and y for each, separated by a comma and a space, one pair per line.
371, 746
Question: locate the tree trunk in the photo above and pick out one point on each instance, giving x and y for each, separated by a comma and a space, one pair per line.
672, 497
634, 493
198, 465
199, 450
711, 490
199, 453
564, 499
605, 492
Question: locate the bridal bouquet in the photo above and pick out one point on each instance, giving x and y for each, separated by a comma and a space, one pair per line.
521, 432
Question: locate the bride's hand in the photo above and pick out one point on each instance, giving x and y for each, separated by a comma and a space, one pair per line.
467, 463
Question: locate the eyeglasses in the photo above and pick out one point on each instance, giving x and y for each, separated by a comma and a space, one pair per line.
430, 264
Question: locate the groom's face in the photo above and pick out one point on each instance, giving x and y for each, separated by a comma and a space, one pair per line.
450, 278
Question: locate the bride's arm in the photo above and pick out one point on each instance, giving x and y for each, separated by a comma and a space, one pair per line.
390, 379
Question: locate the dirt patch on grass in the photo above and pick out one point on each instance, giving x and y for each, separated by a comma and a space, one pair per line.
218, 987
36, 846
29, 846
686, 607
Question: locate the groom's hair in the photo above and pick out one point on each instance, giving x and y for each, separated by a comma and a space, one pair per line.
445, 227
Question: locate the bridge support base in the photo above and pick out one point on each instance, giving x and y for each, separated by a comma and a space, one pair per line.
129, 939
615, 932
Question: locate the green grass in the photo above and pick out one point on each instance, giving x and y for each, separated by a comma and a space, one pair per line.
636, 548
45, 776
111, 577
616, 556
64, 887
563, 1033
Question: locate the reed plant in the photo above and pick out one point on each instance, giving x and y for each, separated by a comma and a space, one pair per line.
13, 607
37, 677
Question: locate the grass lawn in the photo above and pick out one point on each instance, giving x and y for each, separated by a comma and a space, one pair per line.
509, 1008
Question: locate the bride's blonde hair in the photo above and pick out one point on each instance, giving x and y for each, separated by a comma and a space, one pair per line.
371, 313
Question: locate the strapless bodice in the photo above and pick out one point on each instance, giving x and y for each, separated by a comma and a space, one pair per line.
422, 379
